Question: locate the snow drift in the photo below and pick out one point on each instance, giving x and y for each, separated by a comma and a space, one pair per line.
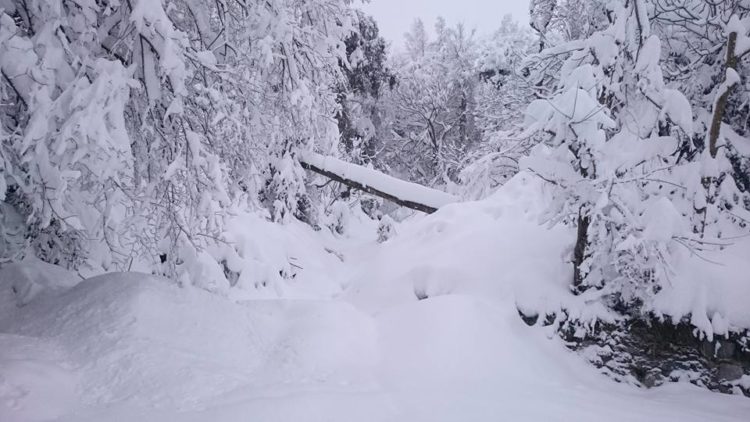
423, 327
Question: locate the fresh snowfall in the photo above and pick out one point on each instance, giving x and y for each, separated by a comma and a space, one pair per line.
246, 210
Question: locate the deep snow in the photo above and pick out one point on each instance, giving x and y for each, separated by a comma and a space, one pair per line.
347, 338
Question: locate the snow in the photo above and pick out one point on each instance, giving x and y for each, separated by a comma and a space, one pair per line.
739, 27
678, 108
649, 54
661, 220
577, 105
643, 20
705, 290
735, 24
421, 327
175, 164
740, 143
382, 182
34, 382
21, 282
730, 80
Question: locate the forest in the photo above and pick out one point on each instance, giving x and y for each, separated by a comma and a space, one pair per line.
263, 210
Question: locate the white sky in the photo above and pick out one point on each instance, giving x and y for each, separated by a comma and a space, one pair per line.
395, 17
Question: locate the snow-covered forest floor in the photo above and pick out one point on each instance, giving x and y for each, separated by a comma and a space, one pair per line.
209, 210
422, 327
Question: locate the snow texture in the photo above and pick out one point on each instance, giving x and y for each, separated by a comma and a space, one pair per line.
163, 138
422, 327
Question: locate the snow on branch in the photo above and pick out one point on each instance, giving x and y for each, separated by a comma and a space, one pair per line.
406, 194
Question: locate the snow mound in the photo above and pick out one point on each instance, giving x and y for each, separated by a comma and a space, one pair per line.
21, 282
462, 358
494, 248
34, 383
125, 347
272, 261
137, 338
136, 343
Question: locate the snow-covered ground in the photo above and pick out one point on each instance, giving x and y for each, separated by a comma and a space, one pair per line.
423, 327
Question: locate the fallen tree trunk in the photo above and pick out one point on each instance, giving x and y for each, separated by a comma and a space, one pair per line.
406, 194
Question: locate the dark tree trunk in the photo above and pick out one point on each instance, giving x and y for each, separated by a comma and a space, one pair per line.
579, 252
721, 103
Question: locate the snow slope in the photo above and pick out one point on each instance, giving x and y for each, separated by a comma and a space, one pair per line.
124, 347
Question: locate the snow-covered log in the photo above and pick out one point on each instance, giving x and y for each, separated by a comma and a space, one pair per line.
406, 194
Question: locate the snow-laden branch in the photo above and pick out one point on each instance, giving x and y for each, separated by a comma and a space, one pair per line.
406, 194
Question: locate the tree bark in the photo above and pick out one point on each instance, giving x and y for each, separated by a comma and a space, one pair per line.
579, 252
721, 103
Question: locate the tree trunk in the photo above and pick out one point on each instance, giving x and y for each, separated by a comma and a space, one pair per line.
369, 189
721, 103
579, 252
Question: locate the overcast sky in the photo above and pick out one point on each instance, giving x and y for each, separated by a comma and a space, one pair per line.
396, 16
